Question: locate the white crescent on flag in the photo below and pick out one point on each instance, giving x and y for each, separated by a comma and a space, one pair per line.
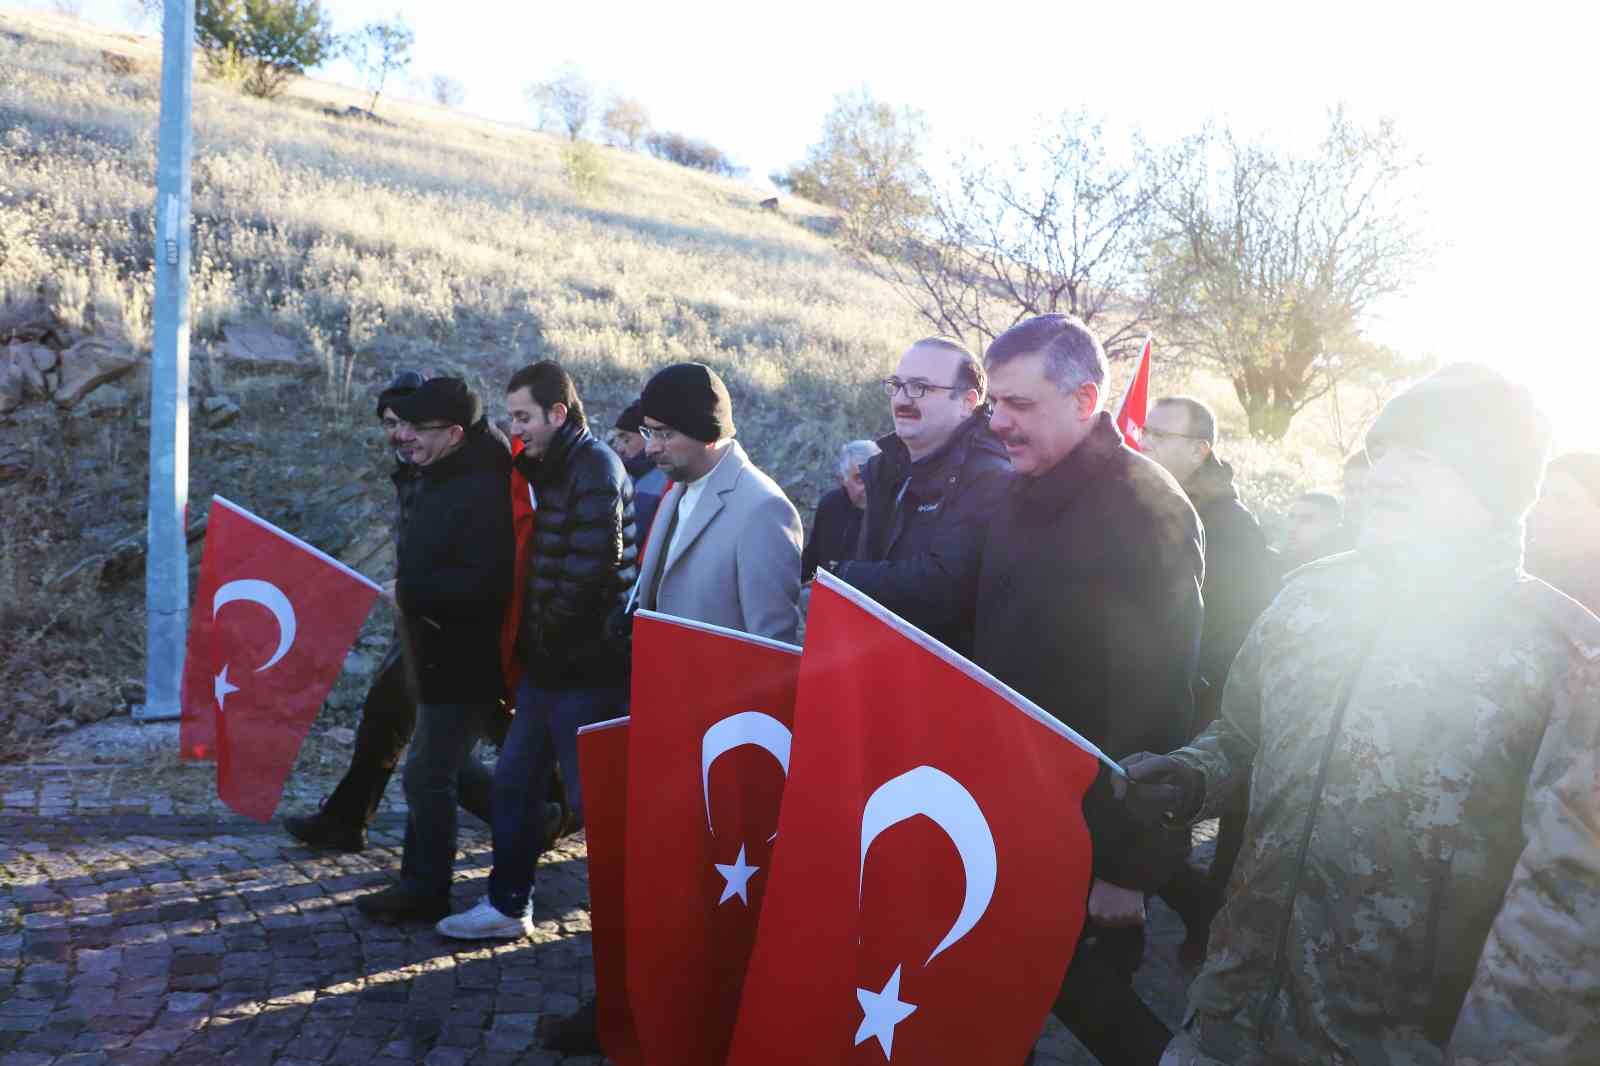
736, 731
947, 803
269, 596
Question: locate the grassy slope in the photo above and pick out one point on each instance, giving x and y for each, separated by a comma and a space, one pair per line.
434, 239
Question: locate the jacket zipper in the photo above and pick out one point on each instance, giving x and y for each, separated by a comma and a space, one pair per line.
1335, 727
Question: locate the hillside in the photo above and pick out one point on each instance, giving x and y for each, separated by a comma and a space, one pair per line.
330, 251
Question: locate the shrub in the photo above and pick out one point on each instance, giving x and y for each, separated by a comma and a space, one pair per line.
276, 39
583, 167
690, 152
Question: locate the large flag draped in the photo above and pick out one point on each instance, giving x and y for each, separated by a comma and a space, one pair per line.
933, 865
1135, 404
603, 765
272, 621
711, 723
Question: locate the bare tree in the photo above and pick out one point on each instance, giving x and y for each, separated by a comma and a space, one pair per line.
1274, 261
378, 50
1056, 227
448, 91
567, 100
626, 123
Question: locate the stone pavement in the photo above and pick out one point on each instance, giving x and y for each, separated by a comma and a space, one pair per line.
142, 930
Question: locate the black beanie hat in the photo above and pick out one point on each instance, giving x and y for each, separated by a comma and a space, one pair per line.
1481, 424
1582, 467
630, 419
690, 398
404, 384
446, 400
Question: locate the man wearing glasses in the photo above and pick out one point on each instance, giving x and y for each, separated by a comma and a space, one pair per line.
390, 711
1419, 724
1242, 575
930, 493
454, 574
726, 543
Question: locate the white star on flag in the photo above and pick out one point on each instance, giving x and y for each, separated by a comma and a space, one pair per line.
1136, 432
882, 1011
737, 877
220, 688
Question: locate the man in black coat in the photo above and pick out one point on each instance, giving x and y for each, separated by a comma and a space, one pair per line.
1242, 576
453, 575
931, 493
836, 527
576, 673
1088, 603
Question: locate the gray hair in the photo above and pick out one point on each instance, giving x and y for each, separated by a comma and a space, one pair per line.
856, 454
1198, 420
1073, 356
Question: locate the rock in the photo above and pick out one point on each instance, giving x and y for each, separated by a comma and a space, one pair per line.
218, 411
342, 735
13, 384
770, 203
109, 400
31, 322
44, 358
89, 364
15, 461
259, 348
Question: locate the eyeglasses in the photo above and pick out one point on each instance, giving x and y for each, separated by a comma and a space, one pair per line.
664, 435
1159, 433
915, 390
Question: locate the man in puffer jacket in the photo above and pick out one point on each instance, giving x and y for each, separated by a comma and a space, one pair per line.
584, 562
1419, 722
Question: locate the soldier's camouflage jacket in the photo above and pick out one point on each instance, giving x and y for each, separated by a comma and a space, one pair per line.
1421, 745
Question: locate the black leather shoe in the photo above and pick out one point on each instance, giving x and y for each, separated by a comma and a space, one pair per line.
576, 1034
395, 904
321, 831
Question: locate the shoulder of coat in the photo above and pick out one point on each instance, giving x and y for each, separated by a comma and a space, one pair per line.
1571, 619
1334, 566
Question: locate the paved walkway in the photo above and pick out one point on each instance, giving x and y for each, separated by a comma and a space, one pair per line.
145, 930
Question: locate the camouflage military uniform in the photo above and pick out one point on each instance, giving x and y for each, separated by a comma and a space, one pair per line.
1392, 723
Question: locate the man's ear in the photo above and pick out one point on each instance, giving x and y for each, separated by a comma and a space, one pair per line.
1088, 397
970, 401
558, 414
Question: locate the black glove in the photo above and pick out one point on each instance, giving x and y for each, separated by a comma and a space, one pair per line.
1159, 790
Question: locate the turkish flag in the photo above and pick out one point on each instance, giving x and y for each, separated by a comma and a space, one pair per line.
934, 867
272, 621
712, 721
1136, 401
603, 766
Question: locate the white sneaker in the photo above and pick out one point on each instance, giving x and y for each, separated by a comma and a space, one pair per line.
484, 922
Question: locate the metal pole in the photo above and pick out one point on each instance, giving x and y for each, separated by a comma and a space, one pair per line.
166, 586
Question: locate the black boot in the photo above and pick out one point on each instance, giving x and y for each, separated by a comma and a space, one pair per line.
576, 1034
320, 830
395, 904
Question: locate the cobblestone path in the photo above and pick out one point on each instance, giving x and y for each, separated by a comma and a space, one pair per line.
138, 930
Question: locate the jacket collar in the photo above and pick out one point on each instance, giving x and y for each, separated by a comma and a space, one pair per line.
1056, 487
1213, 481
548, 467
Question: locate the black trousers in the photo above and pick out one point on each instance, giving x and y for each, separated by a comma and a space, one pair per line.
388, 718
1098, 1004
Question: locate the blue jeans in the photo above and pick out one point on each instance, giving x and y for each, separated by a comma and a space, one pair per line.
441, 768
544, 730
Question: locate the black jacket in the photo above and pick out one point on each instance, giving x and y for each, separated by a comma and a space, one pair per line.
834, 533
1242, 576
585, 560
1089, 605
454, 572
923, 530
407, 479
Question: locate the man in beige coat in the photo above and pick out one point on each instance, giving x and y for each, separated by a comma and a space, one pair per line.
725, 545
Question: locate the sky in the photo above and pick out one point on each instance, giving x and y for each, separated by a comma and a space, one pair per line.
1501, 100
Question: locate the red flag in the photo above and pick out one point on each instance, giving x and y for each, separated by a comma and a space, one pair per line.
1136, 401
713, 712
272, 622
934, 867
603, 766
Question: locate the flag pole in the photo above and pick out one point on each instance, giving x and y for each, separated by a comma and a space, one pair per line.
167, 571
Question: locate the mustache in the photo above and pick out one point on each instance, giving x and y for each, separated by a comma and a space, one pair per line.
907, 410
